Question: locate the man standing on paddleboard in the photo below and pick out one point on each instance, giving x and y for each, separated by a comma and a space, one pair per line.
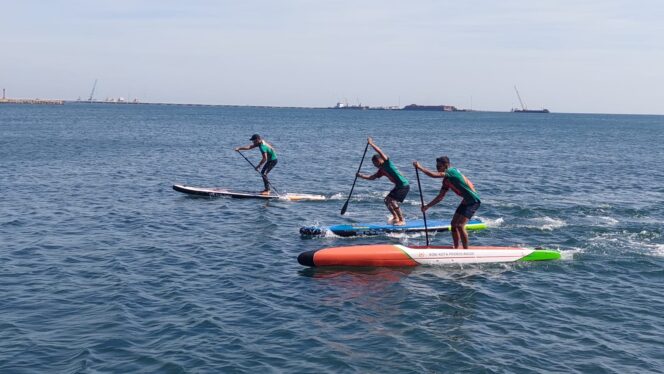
387, 169
457, 182
269, 158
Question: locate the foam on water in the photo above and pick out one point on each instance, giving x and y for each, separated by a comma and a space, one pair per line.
546, 223
568, 254
658, 250
608, 221
492, 222
642, 242
339, 196
359, 196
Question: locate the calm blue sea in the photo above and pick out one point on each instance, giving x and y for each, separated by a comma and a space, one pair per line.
104, 268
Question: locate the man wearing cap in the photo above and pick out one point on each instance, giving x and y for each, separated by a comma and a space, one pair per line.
269, 158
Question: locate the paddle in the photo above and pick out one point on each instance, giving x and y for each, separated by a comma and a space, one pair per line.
426, 229
254, 167
343, 209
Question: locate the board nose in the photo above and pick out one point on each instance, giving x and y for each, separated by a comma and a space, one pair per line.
306, 258
310, 231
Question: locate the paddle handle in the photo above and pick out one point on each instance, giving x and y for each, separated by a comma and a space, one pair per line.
424, 214
254, 167
343, 209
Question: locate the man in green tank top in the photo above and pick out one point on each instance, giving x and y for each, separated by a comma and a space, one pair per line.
462, 186
401, 187
269, 158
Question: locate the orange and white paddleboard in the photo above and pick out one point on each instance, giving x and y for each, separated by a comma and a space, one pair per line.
400, 255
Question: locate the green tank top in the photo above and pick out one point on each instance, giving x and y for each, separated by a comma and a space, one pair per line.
461, 185
394, 174
271, 155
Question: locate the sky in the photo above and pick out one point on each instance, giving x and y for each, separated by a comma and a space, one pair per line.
579, 56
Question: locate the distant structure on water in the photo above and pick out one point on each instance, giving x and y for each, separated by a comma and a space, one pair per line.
433, 108
345, 105
525, 109
109, 100
5, 100
437, 108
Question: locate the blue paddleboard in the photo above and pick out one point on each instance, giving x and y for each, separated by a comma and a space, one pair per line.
369, 229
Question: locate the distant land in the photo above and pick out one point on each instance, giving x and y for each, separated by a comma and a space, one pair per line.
123, 101
411, 107
338, 106
5, 100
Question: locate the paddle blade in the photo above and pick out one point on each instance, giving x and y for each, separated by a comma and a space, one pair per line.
343, 209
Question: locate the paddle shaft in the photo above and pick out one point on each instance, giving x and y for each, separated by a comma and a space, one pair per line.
343, 209
254, 167
424, 214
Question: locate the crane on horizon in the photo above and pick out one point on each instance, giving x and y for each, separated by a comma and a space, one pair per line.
523, 107
92, 93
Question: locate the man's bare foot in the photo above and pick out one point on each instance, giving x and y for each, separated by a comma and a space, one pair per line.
399, 223
266, 192
391, 220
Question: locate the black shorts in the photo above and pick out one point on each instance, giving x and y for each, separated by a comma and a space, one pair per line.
268, 166
399, 193
467, 210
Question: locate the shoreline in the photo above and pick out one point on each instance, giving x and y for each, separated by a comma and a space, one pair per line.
392, 109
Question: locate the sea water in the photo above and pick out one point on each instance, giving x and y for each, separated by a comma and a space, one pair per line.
104, 268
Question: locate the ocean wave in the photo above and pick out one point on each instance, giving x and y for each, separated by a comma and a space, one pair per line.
570, 253
643, 242
546, 223
605, 221
657, 249
362, 196
493, 223
338, 196
13, 222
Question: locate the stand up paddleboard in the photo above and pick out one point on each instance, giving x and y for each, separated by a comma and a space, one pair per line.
217, 192
370, 229
400, 255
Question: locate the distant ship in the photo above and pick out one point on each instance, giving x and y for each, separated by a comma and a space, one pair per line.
515, 110
345, 105
525, 109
